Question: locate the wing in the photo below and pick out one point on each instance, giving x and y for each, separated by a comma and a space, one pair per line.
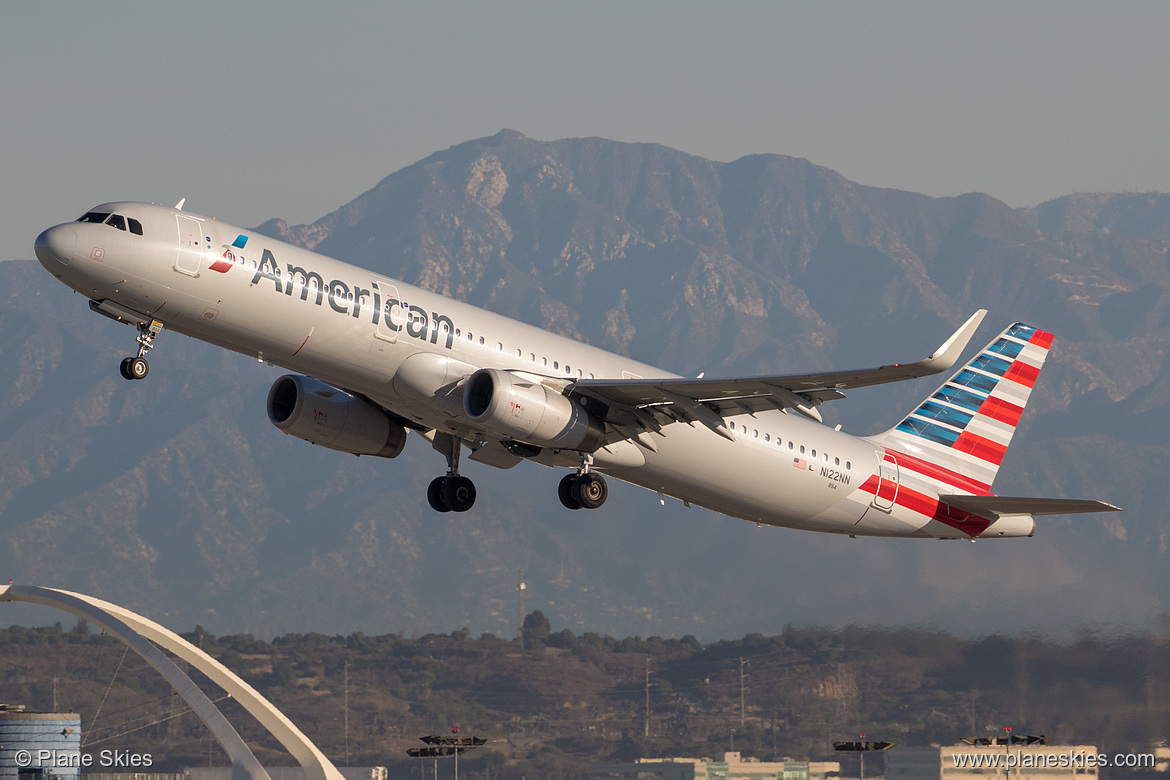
648, 403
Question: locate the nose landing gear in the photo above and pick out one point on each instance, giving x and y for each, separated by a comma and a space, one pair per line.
136, 367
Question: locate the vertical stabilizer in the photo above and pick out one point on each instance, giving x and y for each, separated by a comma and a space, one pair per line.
958, 436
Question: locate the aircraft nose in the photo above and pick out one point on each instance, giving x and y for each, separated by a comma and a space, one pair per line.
56, 245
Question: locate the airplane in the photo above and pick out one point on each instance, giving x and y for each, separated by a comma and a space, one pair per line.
374, 358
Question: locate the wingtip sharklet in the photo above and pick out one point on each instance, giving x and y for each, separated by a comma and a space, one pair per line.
948, 353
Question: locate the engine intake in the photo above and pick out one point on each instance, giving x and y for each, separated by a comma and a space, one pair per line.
515, 408
321, 414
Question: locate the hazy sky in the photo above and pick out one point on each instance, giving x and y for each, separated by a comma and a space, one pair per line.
292, 109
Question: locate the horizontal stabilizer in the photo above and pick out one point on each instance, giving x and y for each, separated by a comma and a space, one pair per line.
998, 506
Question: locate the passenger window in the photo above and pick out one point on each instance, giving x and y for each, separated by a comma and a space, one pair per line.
481, 339
117, 220
836, 461
556, 364
848, 466
544, 361
567, 369
500, 346
814, 453
519, 353
802, 449
532, 356
767, 437
756, 434
135, 226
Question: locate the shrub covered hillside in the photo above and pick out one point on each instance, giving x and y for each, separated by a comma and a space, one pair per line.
552, 702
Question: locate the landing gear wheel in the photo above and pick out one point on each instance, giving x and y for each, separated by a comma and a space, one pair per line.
458, 493
565, 492
590, 490
435, 495
134, 368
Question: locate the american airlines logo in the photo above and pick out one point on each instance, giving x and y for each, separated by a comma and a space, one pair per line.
352, 300
228, 259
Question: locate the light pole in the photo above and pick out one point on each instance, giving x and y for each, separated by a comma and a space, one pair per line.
440, 747
1007, 770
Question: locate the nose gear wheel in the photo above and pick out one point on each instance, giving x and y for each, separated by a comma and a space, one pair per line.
136, 367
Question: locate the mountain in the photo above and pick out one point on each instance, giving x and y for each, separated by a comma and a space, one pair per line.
176, 497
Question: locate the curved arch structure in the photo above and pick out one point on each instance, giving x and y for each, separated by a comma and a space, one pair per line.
141, 635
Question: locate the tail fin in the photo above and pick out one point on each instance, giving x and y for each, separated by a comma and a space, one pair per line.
960, 433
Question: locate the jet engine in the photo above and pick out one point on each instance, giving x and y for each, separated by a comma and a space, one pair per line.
513, 407
321, 414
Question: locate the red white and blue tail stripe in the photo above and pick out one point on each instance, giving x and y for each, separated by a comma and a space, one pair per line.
957, 437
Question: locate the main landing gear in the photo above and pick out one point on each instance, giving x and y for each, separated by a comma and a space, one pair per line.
136, 367
583, 490
453, 492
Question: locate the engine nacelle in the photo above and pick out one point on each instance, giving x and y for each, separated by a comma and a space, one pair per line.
321, 414
510, 406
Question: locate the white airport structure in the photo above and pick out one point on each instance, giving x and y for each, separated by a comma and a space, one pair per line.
986, 762
145, 637
732, 766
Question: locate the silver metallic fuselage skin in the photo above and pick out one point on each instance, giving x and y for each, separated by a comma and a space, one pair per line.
415, 371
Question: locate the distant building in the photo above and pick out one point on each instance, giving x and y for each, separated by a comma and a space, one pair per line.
39, 745
982, 762
1161, 757
732, 767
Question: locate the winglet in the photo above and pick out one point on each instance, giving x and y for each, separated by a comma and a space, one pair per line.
945, 356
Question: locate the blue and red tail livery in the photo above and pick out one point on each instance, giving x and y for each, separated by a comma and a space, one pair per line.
958, 436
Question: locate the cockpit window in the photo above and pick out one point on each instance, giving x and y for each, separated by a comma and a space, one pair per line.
117, 220
135, 226
93, 216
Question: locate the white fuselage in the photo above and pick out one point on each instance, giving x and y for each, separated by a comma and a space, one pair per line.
321, 317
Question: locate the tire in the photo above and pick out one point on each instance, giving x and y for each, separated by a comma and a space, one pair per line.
435, 495
458, 493
565, 492
124, 369
137, 368
590, 490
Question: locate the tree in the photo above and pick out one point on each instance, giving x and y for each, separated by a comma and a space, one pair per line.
535, 628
